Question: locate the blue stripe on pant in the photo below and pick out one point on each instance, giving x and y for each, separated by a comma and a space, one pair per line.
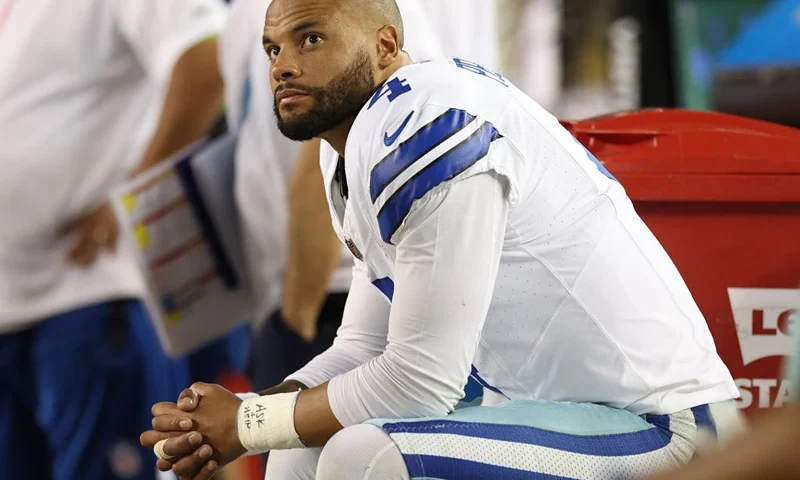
79, 387
442, 468
537, 439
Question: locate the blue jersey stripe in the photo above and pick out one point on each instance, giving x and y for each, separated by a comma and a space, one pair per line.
610, 445
703, 418
597, 162
474, 374
430, 467
408, 152
444, 168
386, 286
472, 390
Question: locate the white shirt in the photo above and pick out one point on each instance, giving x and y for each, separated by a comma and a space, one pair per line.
467, 29
80, 95
265, 158
509, 254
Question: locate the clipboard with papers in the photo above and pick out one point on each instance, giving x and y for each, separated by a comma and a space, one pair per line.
181, 219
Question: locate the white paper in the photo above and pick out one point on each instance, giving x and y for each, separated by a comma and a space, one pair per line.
188, 301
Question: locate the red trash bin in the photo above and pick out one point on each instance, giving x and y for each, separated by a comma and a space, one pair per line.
722, 194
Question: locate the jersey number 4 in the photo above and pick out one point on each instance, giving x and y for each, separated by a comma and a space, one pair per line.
396, 87
393, 88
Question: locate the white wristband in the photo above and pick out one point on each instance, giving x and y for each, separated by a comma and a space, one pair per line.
245, 396
267, 423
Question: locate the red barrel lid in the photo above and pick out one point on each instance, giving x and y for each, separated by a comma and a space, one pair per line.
674, 154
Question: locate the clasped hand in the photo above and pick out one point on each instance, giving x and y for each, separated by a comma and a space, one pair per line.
199, 432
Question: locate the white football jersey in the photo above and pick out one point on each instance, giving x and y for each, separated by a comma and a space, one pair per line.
586, 305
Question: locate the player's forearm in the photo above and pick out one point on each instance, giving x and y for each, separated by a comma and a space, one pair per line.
284, 387
313, 248
338, 359
314, 420
192, 103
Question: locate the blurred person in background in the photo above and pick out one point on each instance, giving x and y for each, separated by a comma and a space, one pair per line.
90, 91
530, 46
467, 29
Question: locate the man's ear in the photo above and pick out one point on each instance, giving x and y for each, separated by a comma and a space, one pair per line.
388, 45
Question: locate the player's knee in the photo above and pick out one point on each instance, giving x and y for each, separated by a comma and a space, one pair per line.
361, 452
297, 464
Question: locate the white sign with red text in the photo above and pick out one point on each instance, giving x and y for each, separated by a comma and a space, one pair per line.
764, 321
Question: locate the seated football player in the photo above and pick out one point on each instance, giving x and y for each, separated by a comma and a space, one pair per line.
488, 244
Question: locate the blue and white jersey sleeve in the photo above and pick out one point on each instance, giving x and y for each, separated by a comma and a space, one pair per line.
439, 152
416, 139
444, 274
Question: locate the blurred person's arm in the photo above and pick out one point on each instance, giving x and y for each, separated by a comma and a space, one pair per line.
192, 104
314, 250
175, 43
193, 101
769, 450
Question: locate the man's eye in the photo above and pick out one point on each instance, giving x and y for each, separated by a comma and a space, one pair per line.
311, 40
272, 52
